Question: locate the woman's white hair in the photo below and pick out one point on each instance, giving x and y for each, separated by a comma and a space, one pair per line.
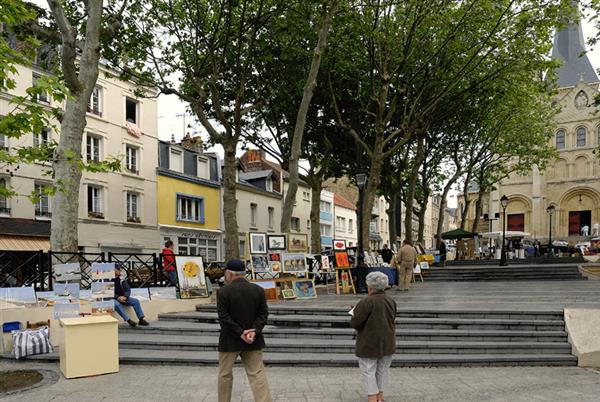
377, 281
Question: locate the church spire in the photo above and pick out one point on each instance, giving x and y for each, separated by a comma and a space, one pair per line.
569, 47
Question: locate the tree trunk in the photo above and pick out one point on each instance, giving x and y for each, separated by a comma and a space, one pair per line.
391, 211
370, 192
315, 216
465, 210
232, 249
311, 83
422, 212
80, 81
442, 212
410, 193
478, 211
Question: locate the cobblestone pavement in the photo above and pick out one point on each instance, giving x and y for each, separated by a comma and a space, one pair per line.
178, 384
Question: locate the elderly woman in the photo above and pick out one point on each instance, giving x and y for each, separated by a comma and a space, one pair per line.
373, 318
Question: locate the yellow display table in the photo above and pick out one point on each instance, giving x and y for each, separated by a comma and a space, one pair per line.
89, 346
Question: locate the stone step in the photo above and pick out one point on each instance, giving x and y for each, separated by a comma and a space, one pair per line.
408, 313
193, 328
525, 278
344, 322
527, 261
302, 345
176, 357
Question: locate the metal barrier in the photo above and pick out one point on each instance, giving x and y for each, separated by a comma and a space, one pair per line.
25, 268
143, 270
85, 260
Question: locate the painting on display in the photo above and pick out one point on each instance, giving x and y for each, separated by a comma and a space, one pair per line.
424, 265
275, 262
17, 297
325, 266
103, 270
67, 272
67, 290
304, 289
49, 298
168, 293
258, 243
297, 242
103, 307
276, 242
270, 288
103, 290
190, 272
140, 293
287, 290
260, 263
66, 310
341, 259
339, 245
293, 262
85, 295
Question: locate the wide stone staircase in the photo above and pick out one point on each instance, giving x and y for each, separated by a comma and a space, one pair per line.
301, 334
506, 273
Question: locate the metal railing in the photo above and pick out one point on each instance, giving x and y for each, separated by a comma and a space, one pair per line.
25, 268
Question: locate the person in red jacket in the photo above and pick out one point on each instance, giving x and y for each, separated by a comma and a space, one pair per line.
169, 262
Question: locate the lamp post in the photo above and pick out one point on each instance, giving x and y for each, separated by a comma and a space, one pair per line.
550, 210
504, 203
361, 181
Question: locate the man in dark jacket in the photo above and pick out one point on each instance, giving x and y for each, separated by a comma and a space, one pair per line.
122, 298
243, 312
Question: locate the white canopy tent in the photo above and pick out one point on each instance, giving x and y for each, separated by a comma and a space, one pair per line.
510, 234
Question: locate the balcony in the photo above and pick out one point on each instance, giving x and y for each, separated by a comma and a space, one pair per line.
5, 210
42, 214
95, 215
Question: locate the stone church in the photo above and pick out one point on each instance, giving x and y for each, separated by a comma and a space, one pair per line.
571, 183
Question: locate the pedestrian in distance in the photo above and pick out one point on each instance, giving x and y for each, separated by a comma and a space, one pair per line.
386, 254
374, 320
123, 298
404, 261
169, 262
243, 312
443, 253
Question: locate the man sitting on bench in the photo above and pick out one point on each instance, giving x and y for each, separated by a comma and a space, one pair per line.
122, 298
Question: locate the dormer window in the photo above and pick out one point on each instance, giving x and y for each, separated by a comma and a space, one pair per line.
269, 184
203, 168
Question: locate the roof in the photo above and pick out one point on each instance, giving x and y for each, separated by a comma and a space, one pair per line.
342, 202
24, 227
24, 243
259, 174
569, 47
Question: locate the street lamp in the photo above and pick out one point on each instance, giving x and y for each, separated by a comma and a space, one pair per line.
504, 203
550, 210
361, 181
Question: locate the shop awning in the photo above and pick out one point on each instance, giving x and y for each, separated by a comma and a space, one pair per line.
458, 234
24, 243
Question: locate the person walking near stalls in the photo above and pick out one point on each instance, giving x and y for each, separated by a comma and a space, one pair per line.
374, 320
386, 254
443, 253
404, 261
243, 312
169, 262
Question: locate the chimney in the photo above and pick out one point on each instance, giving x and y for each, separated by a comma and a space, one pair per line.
172, 138
187, 142
197, 144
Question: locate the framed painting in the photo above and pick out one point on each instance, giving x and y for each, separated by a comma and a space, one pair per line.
304, 289
293, 263
288, 294
325, 266
297, 242
276, 242
192, 281
259, 263
103, 270
68, 272
341, 259
339, 245
258, 243
275, 262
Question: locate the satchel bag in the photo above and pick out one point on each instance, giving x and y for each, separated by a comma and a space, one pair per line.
31, 342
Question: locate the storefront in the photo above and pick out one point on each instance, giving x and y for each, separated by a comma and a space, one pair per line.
187, 241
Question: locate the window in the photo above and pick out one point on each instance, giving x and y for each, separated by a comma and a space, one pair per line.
207, 249
271, 212
131, 110
306, 196
131, 159
93, 148
190, 209
253, 212
560, 139
3, 142
94, 201
42, 96
350, 226
581, 133
325, 206
42, 205
326, 230
41, 139
4, 209
269, 184
340, 224
308, 224
295, 224
176, 160
203, 168
95, 103
132, 207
